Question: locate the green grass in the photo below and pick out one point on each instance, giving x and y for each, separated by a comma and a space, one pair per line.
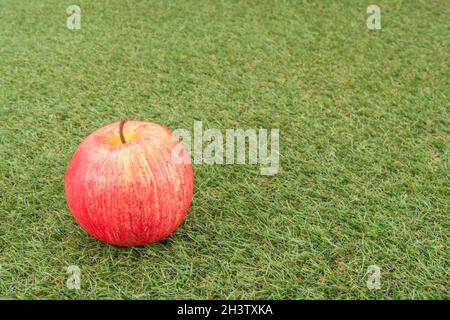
364, 138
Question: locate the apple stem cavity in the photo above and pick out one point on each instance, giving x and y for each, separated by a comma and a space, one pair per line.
122, 137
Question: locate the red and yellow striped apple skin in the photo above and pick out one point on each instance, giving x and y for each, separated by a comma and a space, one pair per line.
129, 194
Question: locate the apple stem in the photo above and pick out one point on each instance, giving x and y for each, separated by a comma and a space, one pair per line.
122, 123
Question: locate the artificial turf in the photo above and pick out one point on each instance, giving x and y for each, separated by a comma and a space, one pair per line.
364, 137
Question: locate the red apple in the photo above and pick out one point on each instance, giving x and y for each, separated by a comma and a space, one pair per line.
122, 187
